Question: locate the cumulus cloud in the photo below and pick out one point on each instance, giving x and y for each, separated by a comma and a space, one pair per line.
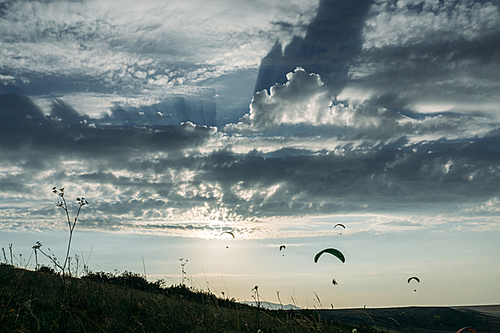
303, 106
303, 99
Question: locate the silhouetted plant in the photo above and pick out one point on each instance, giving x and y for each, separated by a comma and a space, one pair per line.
71, 227
255, 296
67, 262
11, 256
71, 223
4, 256
183, 272
279, 299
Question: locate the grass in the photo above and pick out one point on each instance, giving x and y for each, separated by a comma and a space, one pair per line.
41, 301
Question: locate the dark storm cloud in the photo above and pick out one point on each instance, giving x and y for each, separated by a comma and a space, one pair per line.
37, 149
437, 70
427, 53
64, 131
396, 177
332, 40
171, 111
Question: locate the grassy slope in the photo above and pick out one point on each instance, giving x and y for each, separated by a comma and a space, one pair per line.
39, 302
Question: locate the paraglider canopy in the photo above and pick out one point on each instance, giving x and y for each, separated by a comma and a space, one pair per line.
339, 225
414, 278
467, 329
333, 252
227, 232
282, 247
334, 282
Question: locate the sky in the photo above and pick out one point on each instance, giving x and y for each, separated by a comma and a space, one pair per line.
272, 120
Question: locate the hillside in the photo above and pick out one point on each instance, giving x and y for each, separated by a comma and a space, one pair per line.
101, 302
42, 301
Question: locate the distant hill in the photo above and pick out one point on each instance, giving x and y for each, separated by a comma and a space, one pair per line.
272, 306
416, 319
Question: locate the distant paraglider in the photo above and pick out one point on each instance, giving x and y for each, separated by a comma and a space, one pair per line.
282, 247
334, 282
414, 278
339, 225
229, 233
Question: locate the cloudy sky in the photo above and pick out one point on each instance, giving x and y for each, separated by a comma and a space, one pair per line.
275, 120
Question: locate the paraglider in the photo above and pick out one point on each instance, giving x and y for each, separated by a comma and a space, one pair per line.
414, 278
282, 247
339, 225
333, 252
229, 233
467, 329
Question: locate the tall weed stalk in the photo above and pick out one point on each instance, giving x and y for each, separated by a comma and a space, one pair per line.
64, 268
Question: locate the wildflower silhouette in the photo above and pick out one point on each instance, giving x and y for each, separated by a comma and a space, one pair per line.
71, 226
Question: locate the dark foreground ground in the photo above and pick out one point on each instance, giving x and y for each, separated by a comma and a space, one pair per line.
421, 319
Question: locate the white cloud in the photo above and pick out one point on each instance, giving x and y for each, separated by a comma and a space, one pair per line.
6, 78
300, 111
103, 39
302, 100
401, 22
